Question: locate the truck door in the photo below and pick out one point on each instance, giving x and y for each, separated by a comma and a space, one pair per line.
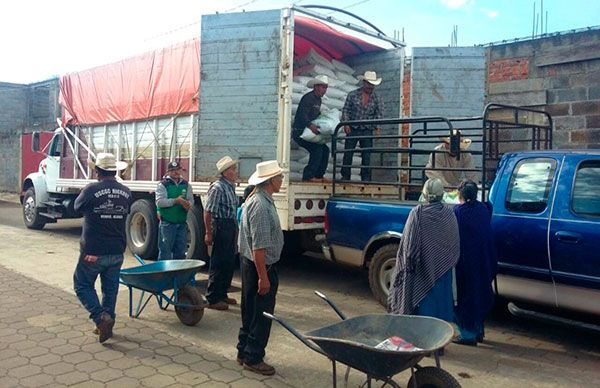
520, 225
51, 164
240, 71
575, 233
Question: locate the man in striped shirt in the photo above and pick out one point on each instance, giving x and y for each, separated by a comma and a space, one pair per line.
220, 223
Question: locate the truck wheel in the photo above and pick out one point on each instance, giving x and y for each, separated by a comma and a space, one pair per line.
142, 229
192, 314
432, 377
381, 270
196, 246
31, 213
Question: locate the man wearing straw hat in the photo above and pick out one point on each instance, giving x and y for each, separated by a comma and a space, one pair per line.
104, 205
220, 225
308, 110
260, 242
361, 104
449, 160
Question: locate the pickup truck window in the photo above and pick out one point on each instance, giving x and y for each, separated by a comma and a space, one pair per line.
586, 197
530, 185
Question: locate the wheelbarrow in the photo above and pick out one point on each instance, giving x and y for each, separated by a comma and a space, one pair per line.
159, 277
354, 342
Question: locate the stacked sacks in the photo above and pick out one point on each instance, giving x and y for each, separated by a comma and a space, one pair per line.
341, 82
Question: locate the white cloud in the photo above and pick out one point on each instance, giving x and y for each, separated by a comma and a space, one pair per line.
490, 12
455, 4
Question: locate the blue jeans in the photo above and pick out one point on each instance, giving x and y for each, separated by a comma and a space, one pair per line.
172, 242
84, 279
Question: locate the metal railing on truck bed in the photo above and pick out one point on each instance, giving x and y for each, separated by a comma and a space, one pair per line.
499, 130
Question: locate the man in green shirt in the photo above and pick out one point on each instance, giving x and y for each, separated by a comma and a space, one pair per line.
174, 197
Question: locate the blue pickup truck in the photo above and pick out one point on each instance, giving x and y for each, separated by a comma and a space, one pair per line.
546, 225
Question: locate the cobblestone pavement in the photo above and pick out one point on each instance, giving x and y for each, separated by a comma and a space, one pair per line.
516, 353
46, 340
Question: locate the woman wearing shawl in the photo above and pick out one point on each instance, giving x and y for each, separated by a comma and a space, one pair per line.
422, 282
476, 266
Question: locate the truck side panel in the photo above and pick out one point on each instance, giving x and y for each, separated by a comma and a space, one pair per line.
238, 90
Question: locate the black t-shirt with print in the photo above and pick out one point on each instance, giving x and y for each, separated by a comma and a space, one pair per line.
104, 205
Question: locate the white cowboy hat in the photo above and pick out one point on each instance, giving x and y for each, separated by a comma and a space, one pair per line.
265, 171
224, 163
107, 162
370, 77
318, 80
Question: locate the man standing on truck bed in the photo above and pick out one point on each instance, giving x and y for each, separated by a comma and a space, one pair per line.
221, 232
309, 109
174, 197
104, 205
260, 242
361, 104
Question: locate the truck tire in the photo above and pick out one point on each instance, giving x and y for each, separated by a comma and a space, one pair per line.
433, 377
142, 229
31, 213
196, 246
381, 270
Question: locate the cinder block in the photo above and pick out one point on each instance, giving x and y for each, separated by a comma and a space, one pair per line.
585, 107
569, 123
564, 95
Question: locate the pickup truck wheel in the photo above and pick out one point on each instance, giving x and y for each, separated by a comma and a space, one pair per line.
142, 229
31, 213
381, 270
195, 224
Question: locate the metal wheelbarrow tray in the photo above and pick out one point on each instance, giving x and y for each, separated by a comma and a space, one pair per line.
353, 342
166, 275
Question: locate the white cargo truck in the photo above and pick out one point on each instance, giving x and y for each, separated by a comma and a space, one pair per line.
228, 93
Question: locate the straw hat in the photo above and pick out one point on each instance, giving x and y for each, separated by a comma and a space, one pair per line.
370, 77
318, 80
107, 162
224, 163
265, 171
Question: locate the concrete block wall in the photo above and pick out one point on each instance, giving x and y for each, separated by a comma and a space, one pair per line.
23, 108
560, 74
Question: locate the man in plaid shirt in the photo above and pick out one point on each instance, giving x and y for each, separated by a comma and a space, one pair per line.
220, 224
361, 104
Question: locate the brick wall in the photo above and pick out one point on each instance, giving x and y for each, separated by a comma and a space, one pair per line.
23, 108
560, 74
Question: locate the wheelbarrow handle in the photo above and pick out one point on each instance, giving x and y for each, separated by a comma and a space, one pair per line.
330, 303
296, 334
139, 259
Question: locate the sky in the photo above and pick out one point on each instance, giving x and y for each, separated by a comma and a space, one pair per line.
43, 39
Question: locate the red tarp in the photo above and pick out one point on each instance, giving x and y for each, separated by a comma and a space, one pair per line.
327, 41
166, 81
158, 83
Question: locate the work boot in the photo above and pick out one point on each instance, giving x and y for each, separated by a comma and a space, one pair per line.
230, 301
218, 306
105, 327
261, 368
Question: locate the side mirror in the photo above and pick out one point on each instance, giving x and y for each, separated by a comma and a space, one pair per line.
35, 142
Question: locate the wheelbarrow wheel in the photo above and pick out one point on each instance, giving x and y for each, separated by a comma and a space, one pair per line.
432, 377
189, 295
